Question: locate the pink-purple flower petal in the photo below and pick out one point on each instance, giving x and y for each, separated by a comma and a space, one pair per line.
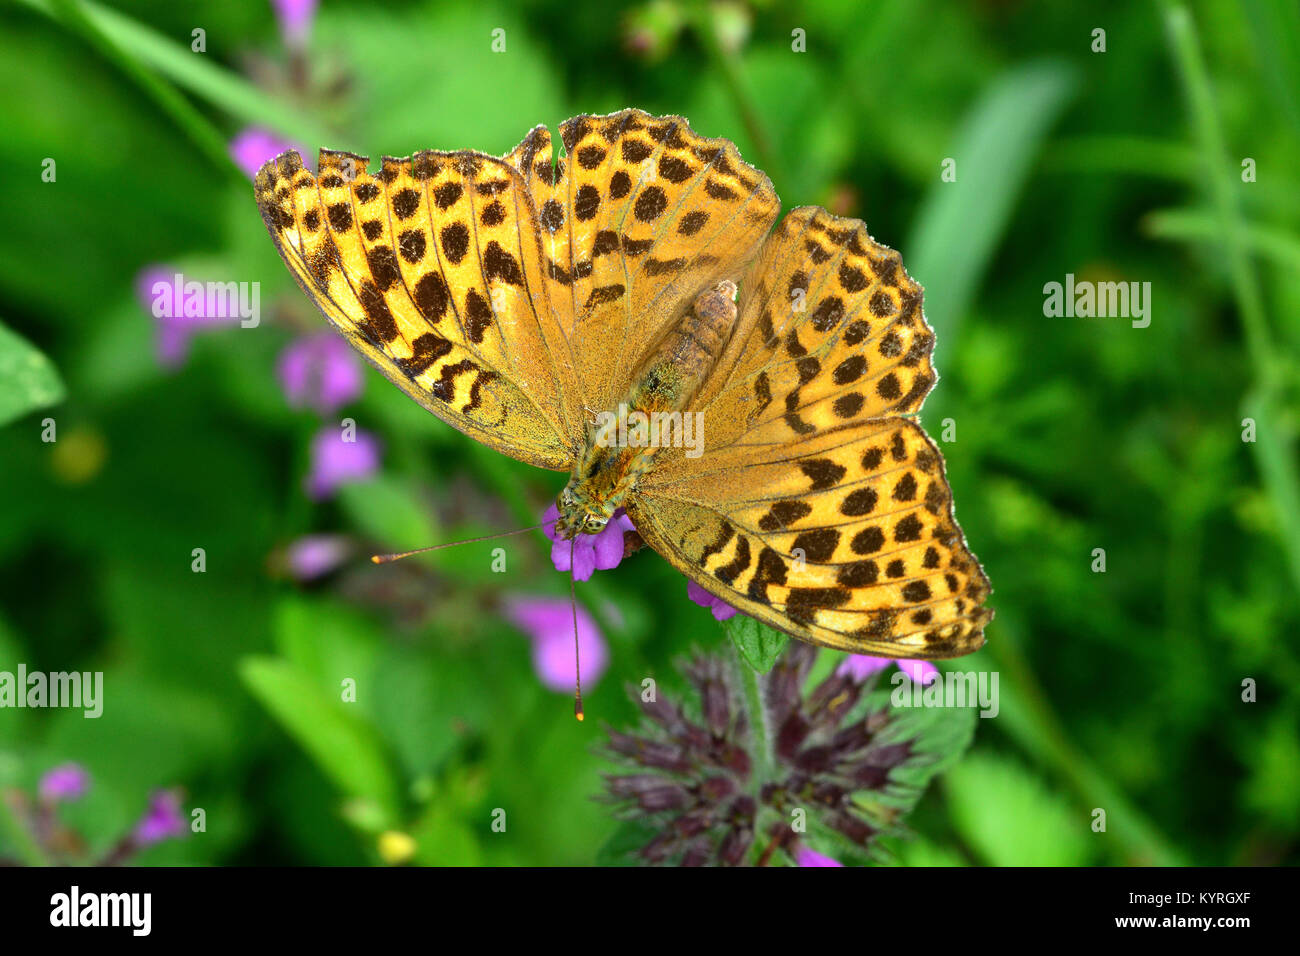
590, 552
806, 857
164, 819
860, 667
336, 462
252, 147
162, 292
320, 372
315, 555
68, 781
295, 18
923, 672
549, 623
721, 609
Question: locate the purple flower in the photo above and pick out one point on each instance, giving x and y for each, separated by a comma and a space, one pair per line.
164, 820
862, 666
807, 857
181, 307
589, 551
704, 783
252, 147
295, 18
316, 554
336, 462
68, 781
319, 371
721, 609
549, 622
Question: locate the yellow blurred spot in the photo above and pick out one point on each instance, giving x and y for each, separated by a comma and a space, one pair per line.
78, 455
396, 847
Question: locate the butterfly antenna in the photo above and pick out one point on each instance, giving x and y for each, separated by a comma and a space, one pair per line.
577, 660
386, 558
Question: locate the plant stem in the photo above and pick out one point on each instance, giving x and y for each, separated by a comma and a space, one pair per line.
753, 686
728, 64
72, 14
1197, 225
24, 844
1037, 729
1275, 451
152, 59
1214, 157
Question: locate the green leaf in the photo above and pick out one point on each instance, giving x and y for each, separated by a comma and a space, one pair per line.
1275, 28
1011, 818
329, 641
382, 42
1271, 788
1276, 457
624, 843
78, 17
443, 839
758, 644
939, 736
388, 510
921, 852
28, 380
344, 746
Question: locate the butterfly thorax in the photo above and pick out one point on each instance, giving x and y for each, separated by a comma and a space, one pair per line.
622, 442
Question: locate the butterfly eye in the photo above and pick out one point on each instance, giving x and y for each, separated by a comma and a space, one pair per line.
566, 498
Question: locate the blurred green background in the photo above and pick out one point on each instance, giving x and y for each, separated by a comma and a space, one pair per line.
1120, 690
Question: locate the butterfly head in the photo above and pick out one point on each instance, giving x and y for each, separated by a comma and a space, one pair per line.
580, 513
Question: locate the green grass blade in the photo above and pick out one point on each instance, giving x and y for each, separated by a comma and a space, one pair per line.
146, 48
961, 222
28, 380
1275, 449
344, 745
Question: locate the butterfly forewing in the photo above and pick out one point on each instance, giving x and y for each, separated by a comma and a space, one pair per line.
639, 215
431, 270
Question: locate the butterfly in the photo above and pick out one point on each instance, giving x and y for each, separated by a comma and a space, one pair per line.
580, 311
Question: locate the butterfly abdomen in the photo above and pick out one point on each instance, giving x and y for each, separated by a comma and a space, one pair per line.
623, 443
675, 369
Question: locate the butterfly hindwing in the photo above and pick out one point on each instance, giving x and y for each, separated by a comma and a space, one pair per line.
847, 540
816, 505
